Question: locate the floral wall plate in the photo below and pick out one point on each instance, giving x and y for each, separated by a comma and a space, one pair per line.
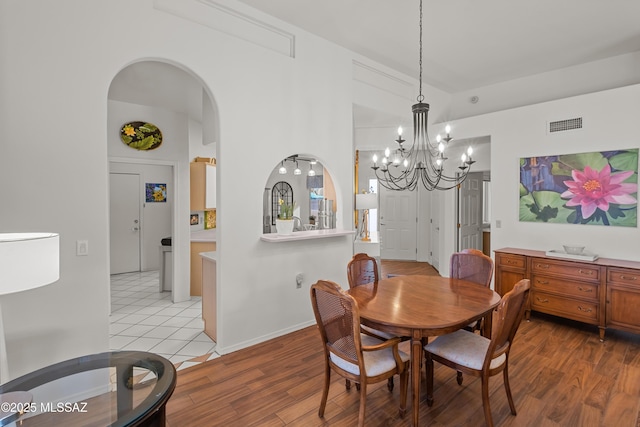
141, 135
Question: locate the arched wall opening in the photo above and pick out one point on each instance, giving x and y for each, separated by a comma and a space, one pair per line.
176, 100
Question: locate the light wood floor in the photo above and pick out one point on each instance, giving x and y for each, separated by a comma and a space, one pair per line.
560, 374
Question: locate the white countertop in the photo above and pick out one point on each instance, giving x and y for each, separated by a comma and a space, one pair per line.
305, 235
211, 256
204, 235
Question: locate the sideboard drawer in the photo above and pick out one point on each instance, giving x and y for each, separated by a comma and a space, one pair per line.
584, 311
623, 276
511, 260
567, 288
572, 270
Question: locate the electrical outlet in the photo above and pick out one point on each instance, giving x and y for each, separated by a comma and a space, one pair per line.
82, 247
299, 278
498, 223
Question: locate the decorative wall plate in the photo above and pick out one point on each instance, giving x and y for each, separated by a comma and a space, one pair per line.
141, 135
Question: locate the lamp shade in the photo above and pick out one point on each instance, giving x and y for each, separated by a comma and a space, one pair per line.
28, 260
367, 201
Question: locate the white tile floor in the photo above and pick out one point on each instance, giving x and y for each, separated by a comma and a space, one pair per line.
146, 320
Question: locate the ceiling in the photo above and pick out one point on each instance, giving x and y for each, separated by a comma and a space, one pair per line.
467, 43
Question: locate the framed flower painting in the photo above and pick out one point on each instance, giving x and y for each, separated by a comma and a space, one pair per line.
155, 193
597, 188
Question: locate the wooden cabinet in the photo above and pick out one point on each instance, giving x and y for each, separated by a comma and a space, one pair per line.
209, 296
567, 289
196, 265
510, 269
605, 293
203, 186
623, 299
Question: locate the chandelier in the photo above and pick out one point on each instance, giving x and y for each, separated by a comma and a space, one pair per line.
424, 162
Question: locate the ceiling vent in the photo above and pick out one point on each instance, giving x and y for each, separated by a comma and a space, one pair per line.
563, 125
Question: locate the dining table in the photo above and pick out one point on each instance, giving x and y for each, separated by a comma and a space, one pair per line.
418, 307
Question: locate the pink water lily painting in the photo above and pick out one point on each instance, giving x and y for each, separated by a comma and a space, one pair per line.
597, 188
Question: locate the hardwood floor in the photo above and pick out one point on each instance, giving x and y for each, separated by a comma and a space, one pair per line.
560, 375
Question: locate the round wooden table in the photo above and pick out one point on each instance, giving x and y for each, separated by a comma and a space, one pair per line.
422, 306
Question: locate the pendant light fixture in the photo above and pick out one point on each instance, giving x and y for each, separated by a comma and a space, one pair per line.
424, 162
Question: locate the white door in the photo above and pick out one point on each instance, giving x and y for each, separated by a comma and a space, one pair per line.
398, 219
124, 222
470, 212
436, 203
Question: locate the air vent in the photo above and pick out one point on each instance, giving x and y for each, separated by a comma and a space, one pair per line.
563, 125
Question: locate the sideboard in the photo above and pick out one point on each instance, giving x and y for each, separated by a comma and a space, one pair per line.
604, 293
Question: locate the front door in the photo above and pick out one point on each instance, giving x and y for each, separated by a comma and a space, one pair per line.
124, 222
398, 223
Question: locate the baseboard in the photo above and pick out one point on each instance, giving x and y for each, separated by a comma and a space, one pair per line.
263, 338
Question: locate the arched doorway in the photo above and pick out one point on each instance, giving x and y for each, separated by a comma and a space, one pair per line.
175, 100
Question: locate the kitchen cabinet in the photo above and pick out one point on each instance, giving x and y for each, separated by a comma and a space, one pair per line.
604, 292
203, 186
209, 296
196, 265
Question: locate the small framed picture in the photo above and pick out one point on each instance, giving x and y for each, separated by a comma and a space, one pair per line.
195, 219
155, 193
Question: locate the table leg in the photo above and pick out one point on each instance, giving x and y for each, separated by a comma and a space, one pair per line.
416, 359
487, 325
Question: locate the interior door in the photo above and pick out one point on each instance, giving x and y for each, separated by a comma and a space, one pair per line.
124, 222
434, 223
398, 218
470, 212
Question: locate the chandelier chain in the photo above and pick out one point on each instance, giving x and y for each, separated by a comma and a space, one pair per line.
420, 96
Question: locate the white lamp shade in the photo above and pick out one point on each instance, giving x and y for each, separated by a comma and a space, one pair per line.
367, 201
28, 260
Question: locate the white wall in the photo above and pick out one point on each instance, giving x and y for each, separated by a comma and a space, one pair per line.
54, 159
609, 122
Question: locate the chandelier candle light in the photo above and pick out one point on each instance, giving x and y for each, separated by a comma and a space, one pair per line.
423, 162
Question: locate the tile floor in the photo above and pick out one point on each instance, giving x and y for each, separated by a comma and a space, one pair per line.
146, 320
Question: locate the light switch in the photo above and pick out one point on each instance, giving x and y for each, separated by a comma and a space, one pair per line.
82, 247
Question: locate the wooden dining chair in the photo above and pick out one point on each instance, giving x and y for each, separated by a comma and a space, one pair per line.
476, 355
354, 355
474, 266
362, 269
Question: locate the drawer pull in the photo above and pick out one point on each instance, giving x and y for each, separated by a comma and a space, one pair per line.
542, 282
623, 277
545, 266
587, 272
580, 288
542, 300
511, 262
586, 310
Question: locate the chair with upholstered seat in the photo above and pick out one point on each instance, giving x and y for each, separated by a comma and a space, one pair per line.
362, 269
354, 355
482, 357
471, 265
474, 266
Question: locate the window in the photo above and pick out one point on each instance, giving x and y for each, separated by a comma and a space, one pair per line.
281, 190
